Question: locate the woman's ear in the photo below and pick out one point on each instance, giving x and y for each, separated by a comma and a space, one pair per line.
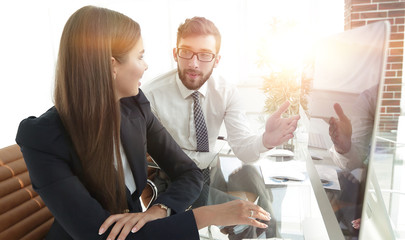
114, 67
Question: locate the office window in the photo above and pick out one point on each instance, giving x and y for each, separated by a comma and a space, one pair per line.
31, 31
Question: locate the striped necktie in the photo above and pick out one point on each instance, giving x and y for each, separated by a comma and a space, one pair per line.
200, 127
202, 146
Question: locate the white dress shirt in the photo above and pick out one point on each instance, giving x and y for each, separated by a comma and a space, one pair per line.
128, 176
172, 104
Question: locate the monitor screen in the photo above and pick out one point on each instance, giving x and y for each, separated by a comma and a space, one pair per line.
342, 111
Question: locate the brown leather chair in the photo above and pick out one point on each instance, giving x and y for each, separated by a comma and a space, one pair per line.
23, 214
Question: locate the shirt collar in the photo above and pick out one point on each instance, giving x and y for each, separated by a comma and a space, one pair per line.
185, 92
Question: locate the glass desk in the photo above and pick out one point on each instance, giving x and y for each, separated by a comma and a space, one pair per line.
292, 203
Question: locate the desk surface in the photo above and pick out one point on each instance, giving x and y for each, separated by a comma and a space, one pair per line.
293, 205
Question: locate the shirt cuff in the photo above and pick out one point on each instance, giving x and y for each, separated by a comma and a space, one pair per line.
339, 159
259, 144
259, 147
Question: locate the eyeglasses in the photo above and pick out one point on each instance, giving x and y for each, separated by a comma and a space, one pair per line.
201, 56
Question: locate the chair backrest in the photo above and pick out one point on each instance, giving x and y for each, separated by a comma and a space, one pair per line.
23, 214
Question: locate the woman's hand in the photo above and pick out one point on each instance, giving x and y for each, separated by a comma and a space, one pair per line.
235, 212
356, 223
127, 222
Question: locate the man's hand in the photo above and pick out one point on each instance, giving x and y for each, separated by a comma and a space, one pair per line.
340, 130
278, 130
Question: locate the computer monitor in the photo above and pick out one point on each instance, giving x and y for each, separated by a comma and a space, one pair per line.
343, 111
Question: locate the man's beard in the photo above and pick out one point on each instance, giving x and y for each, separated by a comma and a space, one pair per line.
191, 84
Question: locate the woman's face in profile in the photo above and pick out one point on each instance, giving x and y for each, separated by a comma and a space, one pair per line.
130, 72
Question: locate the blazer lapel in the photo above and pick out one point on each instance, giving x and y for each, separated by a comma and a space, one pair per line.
133, 137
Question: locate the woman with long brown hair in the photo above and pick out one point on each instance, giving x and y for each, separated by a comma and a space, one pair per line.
87, 155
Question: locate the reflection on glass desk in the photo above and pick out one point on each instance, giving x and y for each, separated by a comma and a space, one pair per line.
288, 197
319, 192
343, 110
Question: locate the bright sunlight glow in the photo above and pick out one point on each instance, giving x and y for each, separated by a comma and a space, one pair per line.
32, 29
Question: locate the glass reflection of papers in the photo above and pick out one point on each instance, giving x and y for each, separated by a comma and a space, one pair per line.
281, 173
328, 176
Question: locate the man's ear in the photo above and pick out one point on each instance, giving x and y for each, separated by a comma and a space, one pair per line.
175, 54
217, 58
114, 66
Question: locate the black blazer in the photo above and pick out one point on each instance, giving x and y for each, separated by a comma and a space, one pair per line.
55, 169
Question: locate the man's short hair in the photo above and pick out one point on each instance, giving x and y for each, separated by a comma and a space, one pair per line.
198, 26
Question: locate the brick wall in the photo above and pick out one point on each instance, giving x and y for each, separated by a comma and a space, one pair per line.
363, 12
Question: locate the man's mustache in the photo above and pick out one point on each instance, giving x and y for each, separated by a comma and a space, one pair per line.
193, 71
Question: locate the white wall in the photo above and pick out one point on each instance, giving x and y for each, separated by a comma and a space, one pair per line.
30, 32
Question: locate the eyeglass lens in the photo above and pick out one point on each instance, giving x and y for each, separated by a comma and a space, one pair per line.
201, 56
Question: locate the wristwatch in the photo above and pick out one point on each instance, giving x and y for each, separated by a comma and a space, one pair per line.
162, 206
